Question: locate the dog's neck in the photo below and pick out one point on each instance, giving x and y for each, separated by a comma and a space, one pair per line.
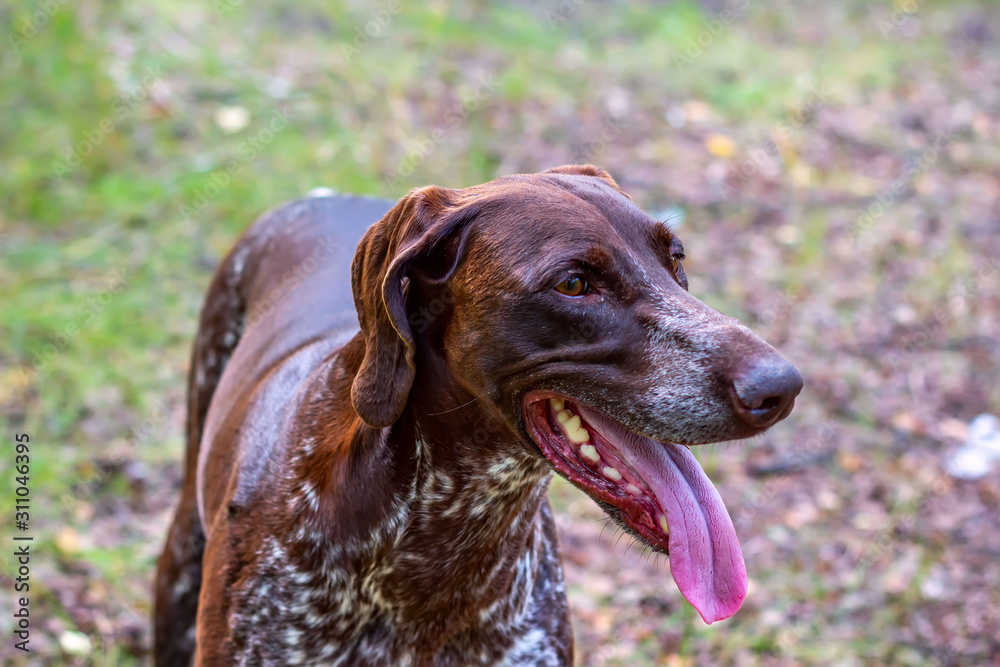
443, 506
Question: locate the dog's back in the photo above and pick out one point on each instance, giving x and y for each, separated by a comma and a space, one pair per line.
285, 285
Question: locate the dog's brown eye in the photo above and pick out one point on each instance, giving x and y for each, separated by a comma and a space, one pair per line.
676, 261
573, 287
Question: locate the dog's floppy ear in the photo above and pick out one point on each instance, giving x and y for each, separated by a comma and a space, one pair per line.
586, 170
419, 222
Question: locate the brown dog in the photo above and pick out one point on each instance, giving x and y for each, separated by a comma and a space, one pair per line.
377, 497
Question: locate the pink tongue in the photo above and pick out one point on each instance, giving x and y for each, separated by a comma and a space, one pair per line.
705, 556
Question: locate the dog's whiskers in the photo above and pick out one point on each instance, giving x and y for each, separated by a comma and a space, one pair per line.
435, 414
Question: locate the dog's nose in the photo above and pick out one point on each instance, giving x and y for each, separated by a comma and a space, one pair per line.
764, 394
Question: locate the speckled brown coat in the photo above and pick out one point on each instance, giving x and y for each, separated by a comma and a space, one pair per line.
371, 497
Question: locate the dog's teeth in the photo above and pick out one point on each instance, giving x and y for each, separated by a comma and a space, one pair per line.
590, 452
663, 523
612, 473
575, 432
634, 490
563, 416
557, 404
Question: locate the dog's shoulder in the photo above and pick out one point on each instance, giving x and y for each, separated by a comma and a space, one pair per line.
245, 450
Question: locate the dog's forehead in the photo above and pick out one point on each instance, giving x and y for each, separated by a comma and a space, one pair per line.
531, 216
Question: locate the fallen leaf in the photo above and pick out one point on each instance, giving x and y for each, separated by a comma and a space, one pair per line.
232, 119
75, 643
68, 541
850, 462
954, 429
720, 145
907, 423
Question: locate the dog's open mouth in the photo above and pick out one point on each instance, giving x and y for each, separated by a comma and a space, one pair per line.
658, 490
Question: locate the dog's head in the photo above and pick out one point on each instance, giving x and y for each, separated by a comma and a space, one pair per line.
567, 308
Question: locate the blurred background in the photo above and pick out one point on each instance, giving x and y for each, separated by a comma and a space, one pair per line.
833, 169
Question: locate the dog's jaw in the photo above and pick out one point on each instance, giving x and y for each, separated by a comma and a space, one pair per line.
657, 491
